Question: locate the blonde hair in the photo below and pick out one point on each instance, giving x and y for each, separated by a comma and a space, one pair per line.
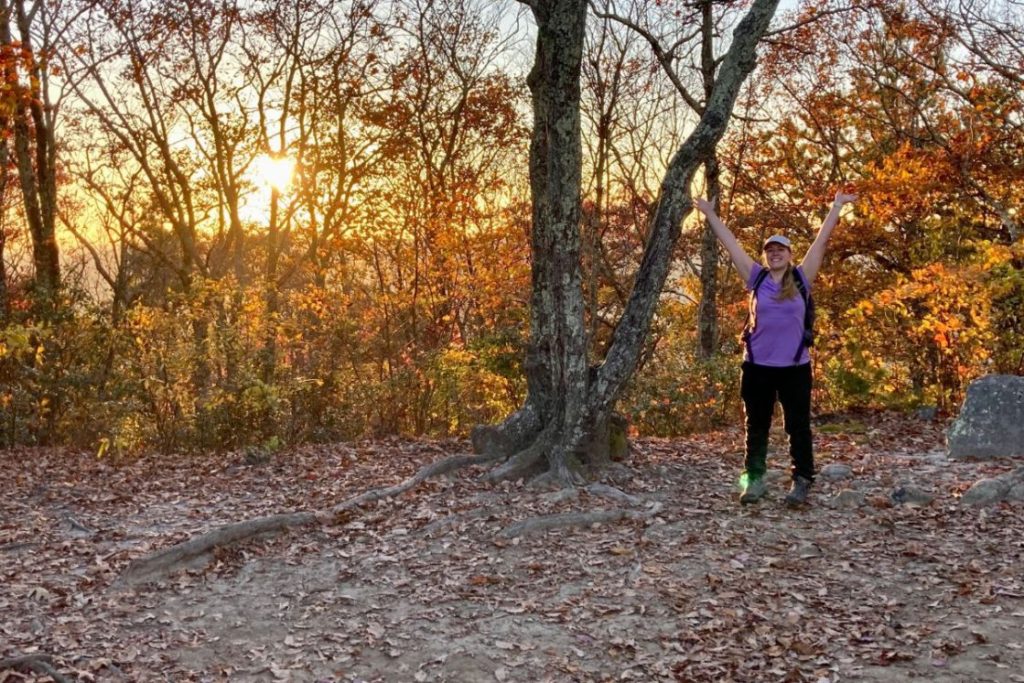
787, 288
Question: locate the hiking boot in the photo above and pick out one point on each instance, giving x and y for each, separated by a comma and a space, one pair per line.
797, 495
753, 490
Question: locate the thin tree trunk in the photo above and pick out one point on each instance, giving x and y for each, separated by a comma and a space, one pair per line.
675, 203
34, 153
707, 312
5, 303
707, 315
272, 299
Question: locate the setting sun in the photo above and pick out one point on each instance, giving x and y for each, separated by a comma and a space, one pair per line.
275, 172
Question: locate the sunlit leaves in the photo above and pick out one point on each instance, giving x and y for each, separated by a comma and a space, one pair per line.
400, 250
923, 339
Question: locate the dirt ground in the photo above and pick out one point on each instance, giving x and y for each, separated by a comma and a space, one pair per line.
424, 587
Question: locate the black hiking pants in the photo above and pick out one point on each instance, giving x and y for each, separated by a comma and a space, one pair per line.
760, 387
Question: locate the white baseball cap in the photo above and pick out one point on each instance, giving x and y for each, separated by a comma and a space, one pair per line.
777, 239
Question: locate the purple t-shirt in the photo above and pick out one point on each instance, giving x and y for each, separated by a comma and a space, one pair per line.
779, 326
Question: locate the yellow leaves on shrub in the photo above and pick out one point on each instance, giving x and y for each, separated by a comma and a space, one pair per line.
930, 332
24, 343
460, 376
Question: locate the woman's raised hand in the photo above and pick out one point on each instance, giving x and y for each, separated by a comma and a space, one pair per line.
844, 198
705, 206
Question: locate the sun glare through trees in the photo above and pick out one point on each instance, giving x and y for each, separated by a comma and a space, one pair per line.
275, 172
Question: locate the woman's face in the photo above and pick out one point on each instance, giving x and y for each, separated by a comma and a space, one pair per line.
777, 256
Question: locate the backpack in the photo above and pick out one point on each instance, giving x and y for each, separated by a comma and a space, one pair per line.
807, 339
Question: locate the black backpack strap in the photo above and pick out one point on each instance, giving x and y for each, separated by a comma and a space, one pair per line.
807, 338
748, 327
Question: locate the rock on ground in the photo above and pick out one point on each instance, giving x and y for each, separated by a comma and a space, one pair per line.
991, 422
986, 492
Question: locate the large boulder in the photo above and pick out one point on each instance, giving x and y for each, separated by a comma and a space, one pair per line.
991, 422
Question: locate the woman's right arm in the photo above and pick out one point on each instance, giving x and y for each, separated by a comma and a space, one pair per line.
741, 259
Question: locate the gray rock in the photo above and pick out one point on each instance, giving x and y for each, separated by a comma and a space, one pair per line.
848, 499
835, 471
986, 492
908, 494
991, 421
1015, 494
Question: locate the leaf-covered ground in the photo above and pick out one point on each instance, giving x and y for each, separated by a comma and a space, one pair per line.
424, 587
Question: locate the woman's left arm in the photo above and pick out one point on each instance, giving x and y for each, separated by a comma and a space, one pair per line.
816, 254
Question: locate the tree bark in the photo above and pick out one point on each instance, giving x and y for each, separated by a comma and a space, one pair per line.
707, 312
556, 355
5, 301
573, 405
34, 150
5, 305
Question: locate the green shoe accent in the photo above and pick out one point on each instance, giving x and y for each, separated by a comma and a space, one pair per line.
753, 491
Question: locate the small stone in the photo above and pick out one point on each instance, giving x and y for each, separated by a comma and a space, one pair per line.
913, 496
986, 492
1015, 494
835, 471
848, 499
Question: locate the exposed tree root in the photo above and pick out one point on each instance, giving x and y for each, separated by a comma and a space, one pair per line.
574, 519
561, 473
9, 547
35, 663
166, 560
548, 456
525, 463
606, 491
434, 469
528, 461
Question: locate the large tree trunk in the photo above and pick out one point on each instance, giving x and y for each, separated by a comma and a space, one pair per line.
556, 357
557, 350
567, 414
